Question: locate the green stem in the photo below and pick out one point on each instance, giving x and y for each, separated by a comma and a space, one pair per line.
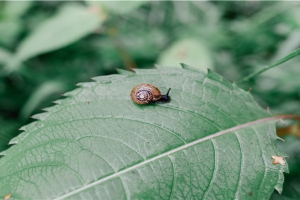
282, 60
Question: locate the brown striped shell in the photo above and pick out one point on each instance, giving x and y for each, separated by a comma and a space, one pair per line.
145, 93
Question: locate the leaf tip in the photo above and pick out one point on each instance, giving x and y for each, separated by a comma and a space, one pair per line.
278, 189
71, 93
124, 72
13, 141
209, 71
157, 66
187, 67
57, 102
40, 116
211, 74
79, 84
279, 186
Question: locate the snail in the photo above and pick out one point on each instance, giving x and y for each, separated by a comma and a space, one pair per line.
146, 93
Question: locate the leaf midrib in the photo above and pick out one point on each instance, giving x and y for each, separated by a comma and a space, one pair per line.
235, 128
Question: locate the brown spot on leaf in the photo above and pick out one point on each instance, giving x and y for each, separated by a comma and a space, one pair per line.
250, 194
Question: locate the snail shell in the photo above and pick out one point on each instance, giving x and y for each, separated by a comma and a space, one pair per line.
145, 93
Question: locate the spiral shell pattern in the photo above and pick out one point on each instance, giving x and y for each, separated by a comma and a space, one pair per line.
145, 93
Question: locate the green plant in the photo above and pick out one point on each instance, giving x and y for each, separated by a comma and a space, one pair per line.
41, 58
211, 140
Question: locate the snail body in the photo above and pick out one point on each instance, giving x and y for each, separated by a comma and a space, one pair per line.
146, 93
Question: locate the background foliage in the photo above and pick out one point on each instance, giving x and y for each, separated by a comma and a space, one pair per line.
45, 50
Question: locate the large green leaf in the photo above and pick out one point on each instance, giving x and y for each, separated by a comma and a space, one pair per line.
212, 141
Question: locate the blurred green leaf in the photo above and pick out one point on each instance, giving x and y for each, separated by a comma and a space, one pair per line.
118, 7
286, 106
70, 24
284, 79
147, 46
271, 11
9, 31
40, 94
15, 9
255, 34
99, 144
250, 25
263, 69
212, 17
291, 43
5, 56
190, 51
8, 130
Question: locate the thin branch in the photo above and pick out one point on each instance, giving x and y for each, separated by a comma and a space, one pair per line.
126, 58
283, 60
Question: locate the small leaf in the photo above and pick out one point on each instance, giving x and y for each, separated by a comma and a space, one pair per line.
70, 24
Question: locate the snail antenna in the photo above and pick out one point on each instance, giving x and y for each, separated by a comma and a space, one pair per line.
168, 92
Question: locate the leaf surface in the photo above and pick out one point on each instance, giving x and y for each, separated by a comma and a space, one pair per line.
207, 143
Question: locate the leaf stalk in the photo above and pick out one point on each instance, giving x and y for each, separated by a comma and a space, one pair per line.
279, 62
